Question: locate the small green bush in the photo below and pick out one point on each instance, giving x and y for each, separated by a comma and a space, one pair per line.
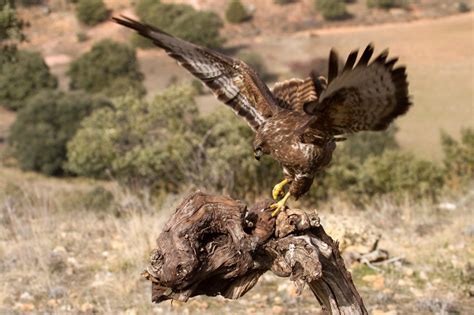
459, 157
399, 173
82, 37
91, 12
22, 77
363, 145
283, 2
369, 164
236, 12
332, 9
463, 7
110, 68
183, 21
44, 126
28, 3
257, 63
385, 4
138, 142
10, 24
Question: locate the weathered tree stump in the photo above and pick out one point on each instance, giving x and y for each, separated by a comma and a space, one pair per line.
215, 245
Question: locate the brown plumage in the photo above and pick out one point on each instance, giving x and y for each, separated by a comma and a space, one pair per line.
299, 121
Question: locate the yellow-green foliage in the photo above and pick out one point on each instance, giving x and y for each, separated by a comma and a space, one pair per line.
165, 144
44, 126
10, 25
236, 12
109, 68
400, 173
386, 4
369, 164
332, 9
227, 153
91, 12
180, 20
257, 63
459, 157
136, 141
23, 76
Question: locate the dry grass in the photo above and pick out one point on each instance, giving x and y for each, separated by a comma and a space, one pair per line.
59, 255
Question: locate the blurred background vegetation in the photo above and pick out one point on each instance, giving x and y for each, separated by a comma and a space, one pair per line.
108, 130
98, 130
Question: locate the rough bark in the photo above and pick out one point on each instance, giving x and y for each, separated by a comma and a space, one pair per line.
215, 245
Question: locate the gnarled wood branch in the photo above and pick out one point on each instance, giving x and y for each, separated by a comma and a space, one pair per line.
215, 245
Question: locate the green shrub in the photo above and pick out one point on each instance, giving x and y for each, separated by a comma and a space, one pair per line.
363, 145
82, 37
459, 157
164, 144
22, 77
44, 126
368, 164
138, 142
463, 7
28, 3
332, 9
283, 2
10, 31
399, 173
257, 63
91, 12
10, 25
110, 68
227, 162
385, 4
183, 21
236, 12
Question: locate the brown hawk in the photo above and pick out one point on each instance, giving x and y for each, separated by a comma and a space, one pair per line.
299, 121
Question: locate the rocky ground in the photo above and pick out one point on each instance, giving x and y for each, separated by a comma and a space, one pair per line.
65, 248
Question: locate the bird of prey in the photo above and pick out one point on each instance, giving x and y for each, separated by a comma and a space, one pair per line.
299, 121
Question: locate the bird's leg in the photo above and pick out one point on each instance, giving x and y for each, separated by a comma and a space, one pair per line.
278, 189
280, 205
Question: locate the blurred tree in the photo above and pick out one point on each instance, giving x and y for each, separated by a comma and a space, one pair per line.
257, 63
165, 144
138, 142
386, 4
183, 21
21, 77
400, 174
459, 158
110, 68
283, 2
91, 12
10, 31
236, 12
44, 126
347, 164
332, 9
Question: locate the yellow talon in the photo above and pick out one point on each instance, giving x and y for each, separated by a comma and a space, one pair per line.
278, 189
280, 205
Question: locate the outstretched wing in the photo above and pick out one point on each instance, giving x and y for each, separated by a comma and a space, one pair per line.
295, 93
364, 97
232, 81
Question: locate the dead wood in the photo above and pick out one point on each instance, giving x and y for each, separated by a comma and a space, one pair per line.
215, 245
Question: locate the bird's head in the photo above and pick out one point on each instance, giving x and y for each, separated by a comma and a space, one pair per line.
259, 149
